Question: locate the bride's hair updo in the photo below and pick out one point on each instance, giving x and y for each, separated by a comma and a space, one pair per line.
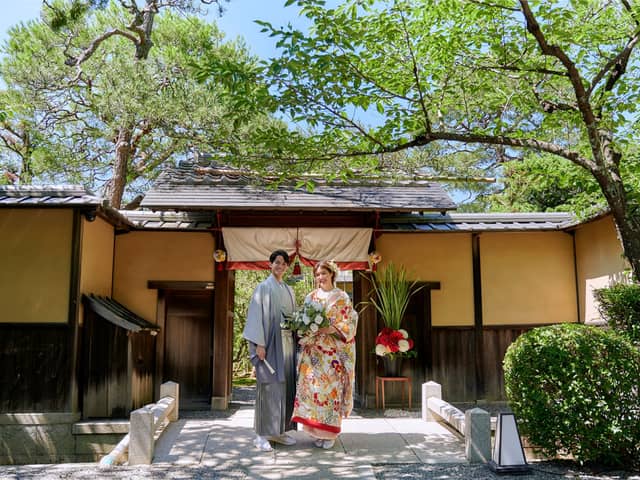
328, 265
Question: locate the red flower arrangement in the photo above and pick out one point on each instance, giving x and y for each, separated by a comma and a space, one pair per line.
392, 343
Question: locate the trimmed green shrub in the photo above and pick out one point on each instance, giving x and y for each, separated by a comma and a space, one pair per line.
619, 305
574, 390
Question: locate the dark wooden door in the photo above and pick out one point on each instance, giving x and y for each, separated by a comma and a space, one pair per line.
188, 346
417, 322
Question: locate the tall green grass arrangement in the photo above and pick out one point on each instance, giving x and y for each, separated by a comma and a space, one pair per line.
392, 294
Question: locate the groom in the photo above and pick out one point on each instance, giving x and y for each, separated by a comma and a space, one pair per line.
274, 363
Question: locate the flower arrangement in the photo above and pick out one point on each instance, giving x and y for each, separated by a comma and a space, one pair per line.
311, 317
392, 343
392, 293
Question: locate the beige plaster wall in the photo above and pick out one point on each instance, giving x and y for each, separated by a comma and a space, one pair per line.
442, 257
600, 263
35, 251
96, 258
527, 278
168, 256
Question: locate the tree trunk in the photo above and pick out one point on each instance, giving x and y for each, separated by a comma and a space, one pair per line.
627, 223
114, 189
145, 43
629, 232
26, 175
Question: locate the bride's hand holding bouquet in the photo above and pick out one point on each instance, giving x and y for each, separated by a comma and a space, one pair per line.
309, 319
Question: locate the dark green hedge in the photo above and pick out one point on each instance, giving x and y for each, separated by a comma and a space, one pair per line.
574, 390
619, 305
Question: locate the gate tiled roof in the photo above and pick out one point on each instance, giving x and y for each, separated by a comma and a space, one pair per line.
190, 186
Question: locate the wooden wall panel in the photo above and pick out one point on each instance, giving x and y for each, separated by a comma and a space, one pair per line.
143, 346
454, 365
106, 379
365, 340
495, 341
417, 322
453, 362
35, 371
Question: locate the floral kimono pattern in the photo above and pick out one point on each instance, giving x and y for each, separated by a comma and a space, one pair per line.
326, 369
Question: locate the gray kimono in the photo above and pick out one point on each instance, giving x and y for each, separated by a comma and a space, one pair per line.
275, 391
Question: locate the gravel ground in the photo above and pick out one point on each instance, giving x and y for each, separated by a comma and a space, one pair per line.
552, 470
90, 472
540, 471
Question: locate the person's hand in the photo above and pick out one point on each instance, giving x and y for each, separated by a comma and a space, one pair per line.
261, 352
327, 330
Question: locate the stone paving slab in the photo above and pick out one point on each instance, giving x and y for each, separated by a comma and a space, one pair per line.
222, 447
227, 444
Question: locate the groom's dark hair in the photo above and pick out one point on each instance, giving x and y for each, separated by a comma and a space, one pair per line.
279, 253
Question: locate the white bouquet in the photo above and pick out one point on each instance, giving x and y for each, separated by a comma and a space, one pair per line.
311, 317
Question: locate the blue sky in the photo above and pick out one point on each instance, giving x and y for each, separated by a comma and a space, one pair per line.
238, 19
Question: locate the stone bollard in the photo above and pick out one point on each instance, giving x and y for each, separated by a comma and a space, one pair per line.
171, 389
477, 435
429, 389
141, 437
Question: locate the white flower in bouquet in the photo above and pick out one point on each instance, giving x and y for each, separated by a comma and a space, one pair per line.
403, 346
311, 317
316, 306
381, 350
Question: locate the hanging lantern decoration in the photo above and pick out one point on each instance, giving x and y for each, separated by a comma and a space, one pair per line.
373, 259
220, 256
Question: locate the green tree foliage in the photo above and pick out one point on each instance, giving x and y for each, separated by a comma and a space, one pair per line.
619, 305
574, 390
137, 28
490, 80
113, 121
245, 283
542, 184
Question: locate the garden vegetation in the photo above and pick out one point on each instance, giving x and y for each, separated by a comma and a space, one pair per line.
574, 390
